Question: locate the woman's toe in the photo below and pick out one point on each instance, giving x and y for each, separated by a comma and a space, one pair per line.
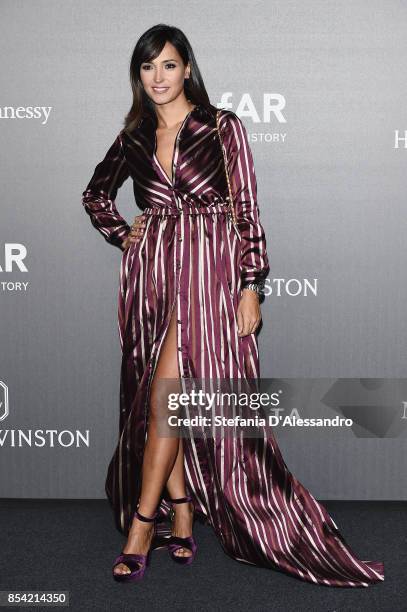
122, 569
183, 552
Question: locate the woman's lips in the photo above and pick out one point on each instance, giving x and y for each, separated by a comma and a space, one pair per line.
160, 89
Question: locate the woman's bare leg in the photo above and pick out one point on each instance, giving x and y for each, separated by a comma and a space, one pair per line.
160, 453
183, 512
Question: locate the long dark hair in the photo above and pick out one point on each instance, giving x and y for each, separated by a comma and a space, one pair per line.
148, 47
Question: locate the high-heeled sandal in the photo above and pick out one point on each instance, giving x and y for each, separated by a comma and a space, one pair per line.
175, 542
136, 563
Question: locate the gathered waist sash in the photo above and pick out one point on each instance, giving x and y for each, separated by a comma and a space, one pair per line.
188, 209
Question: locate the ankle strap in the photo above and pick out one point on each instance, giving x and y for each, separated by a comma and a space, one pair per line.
180, 500
146, 519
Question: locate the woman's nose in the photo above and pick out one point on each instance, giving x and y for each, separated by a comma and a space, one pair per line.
158, 76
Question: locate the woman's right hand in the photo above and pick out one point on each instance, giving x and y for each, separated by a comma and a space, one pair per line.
136, 232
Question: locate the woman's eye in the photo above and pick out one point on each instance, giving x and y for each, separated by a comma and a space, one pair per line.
147, 66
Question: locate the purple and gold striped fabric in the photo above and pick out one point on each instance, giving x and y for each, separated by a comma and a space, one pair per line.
191, 258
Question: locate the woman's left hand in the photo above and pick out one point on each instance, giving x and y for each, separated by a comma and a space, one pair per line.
136, 231
248, 312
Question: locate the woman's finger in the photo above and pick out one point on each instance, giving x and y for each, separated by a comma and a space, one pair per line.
240, 322
139, 220
138, 226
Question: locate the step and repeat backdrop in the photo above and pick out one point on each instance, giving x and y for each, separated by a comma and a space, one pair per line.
320, 88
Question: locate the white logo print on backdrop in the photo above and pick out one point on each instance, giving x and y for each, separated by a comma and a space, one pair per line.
26, 112
37, 437
3, 400
273, 105
14, 255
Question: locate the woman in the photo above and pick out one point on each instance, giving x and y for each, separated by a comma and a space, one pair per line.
189, 307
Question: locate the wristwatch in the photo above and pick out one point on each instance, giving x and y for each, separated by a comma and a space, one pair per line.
258, 287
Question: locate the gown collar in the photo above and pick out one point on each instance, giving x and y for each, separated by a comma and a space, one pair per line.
145, 132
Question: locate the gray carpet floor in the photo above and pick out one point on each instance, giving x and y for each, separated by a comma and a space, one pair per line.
70, 545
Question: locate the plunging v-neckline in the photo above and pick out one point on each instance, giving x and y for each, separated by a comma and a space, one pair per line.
170, 180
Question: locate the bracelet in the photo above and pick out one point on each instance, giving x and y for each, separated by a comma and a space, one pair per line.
257, 287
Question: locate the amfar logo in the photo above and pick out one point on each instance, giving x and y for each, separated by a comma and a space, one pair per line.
14, 255
26, 112
273, 105
37, 437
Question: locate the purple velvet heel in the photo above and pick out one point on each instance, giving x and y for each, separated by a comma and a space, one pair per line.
137, 563
175, 542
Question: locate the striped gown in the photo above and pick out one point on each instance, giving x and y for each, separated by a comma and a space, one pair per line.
191, 258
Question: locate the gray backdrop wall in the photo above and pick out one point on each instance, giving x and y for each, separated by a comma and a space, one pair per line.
330, 160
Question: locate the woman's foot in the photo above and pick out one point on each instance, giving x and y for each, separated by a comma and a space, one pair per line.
138, 542
182, 525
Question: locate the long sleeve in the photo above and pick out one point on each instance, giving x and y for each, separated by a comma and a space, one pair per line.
99, 196
254, 257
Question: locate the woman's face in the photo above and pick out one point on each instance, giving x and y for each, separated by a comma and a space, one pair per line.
163, 77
